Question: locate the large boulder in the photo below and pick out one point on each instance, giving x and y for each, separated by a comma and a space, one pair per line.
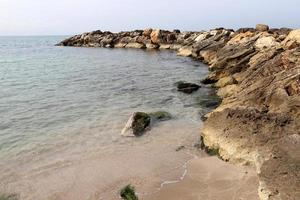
147, 32
185, 51
294, 35
266, 43
136, 124
156, 36
262, 27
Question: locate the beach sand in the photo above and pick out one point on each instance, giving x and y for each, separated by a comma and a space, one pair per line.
211, 179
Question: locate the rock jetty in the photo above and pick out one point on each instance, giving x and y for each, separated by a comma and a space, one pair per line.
257, 73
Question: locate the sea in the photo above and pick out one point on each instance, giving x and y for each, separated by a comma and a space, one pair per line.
62, 110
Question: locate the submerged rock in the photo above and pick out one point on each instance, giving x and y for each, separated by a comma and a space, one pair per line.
140, 121
136, 124
160, 115
187, 88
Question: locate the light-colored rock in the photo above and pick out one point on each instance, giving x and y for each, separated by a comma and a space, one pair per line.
135, 45
151, 46
175, 46
164, 46
147, 32
292, 40
213, 32
185, 51
266, 43
156, 36
202, 37
227, 91
262, 27
120, 45
294, 35
208, 55
241, 38
228, 80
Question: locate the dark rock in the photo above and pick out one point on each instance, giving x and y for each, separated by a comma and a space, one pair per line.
180, 148
187, 88
160, 115
176, 31
244, 30
136, 124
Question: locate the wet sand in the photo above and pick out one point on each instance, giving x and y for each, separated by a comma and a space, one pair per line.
211, 179
146, 163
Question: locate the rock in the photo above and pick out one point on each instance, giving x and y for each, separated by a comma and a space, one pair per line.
135, 45
156, 36
202, 36
152, 46
211, 101
147, 32
160, 115
294, 35
187, 88
244, 30
181, 147
266, 43
176, 31
185, 51
262, 27
120, 45
175, 46
136, 124
164, 46
241, 38
208, 55
228, 80
227, 91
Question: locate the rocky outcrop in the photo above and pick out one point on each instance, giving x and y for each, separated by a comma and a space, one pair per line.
257, 73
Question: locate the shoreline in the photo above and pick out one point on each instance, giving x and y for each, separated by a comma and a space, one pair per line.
257, 73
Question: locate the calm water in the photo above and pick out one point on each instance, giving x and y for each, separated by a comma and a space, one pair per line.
62, 99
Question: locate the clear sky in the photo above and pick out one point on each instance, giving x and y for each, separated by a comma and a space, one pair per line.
65, 17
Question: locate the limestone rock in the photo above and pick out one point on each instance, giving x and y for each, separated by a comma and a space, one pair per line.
156, 36
147, 32
136, 124
266, 43
294, 35
262, 27
164, 46
135, 45
229, 80
202, 36
120, 45
152, 46
185, 51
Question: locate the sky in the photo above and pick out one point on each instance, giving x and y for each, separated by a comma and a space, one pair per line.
68, 17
